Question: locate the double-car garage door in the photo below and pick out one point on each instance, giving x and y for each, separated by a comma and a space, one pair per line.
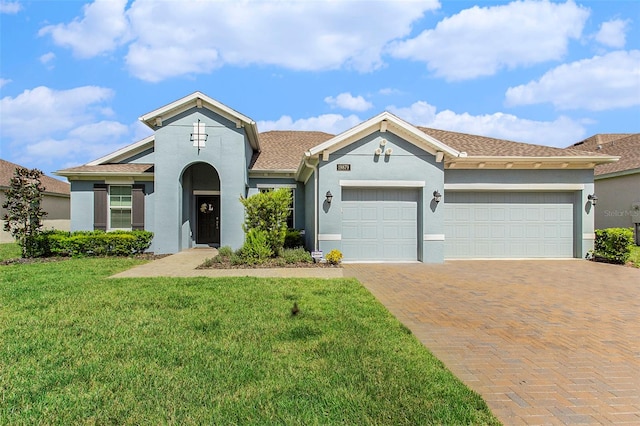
380, 224
509, 225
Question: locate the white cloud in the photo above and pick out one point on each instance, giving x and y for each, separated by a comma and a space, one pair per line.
102, 29
596, 84
613, 33
560, 132
482, 40
330, 123
42, 125
4, 82
389, 91
10, 7
47, 58
348, 101
200, 36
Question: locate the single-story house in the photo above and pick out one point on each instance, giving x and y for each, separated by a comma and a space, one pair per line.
617, 185
55, 200
384, 190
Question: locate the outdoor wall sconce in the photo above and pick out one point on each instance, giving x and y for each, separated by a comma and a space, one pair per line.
378, 151
593, 198
329, 197
437, 196
383, 142
388, 151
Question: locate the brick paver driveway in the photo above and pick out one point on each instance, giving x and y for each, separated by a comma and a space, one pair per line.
544, 342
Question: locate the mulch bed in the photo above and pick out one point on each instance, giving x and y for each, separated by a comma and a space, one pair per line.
274, 263
27, 261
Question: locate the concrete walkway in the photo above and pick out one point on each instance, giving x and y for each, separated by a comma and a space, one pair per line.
543, 342
184, 264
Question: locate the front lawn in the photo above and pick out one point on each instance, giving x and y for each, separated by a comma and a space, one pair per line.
79, 348
635, 256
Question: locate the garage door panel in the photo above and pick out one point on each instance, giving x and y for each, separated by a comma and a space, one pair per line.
517, 225
386, 224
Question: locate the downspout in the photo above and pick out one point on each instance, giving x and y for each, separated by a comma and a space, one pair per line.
315, 200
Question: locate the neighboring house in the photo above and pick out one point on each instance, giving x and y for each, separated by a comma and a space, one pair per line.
55, 200
617, 184
499, 199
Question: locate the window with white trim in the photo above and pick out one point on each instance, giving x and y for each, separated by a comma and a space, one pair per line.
120, 203
290, 221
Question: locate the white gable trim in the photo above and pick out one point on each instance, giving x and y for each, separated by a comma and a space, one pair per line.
126, 152
200, 100
388, 122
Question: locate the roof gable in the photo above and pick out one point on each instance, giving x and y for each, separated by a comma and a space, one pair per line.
155, 118
384, 122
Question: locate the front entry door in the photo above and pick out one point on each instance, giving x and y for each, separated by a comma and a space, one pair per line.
208, 219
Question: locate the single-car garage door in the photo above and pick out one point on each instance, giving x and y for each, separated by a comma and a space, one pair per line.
379, 224
508, 225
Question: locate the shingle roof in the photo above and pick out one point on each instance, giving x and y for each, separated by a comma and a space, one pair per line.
475, 145
283, 150
51, 185
624, 145
110, 169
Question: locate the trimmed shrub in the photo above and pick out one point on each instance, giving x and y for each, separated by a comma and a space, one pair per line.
293, 239
93, 243
613, 244
296, 255
256, 248
334, 257
268, 212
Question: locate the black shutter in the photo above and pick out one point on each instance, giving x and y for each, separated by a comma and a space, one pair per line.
100, 207
137, 207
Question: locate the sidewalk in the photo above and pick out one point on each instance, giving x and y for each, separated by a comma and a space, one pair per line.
184, 264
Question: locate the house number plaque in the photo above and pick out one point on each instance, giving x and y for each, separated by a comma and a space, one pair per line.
344, 167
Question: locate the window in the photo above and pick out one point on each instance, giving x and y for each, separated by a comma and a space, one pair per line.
120, 202
290, 222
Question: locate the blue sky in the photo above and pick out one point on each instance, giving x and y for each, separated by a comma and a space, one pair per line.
75, 76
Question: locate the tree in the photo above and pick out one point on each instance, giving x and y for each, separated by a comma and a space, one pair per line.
24, 212
268, 212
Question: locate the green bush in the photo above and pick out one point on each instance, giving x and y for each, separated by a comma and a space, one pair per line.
256, 248
613, 244
225, 251
296, 255
334, 257
93, 243
268, 212
293, 239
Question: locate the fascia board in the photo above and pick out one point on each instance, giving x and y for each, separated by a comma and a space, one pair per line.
183, 104
535, 159
128, 150
372, 125
617, 174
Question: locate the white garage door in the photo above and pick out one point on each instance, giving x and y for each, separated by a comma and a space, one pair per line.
508, 225
379, 224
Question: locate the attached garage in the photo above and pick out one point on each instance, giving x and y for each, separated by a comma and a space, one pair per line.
509, 225
380, 224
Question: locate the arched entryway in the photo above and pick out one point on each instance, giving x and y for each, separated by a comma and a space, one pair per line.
201, 216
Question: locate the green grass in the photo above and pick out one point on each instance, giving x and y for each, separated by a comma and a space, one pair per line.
78, 348
635, 256
9, 251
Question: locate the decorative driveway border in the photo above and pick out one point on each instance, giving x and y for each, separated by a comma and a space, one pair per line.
552, 342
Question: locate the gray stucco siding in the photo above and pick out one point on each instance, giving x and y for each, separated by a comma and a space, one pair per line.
616, 197
407, 165
224, 150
